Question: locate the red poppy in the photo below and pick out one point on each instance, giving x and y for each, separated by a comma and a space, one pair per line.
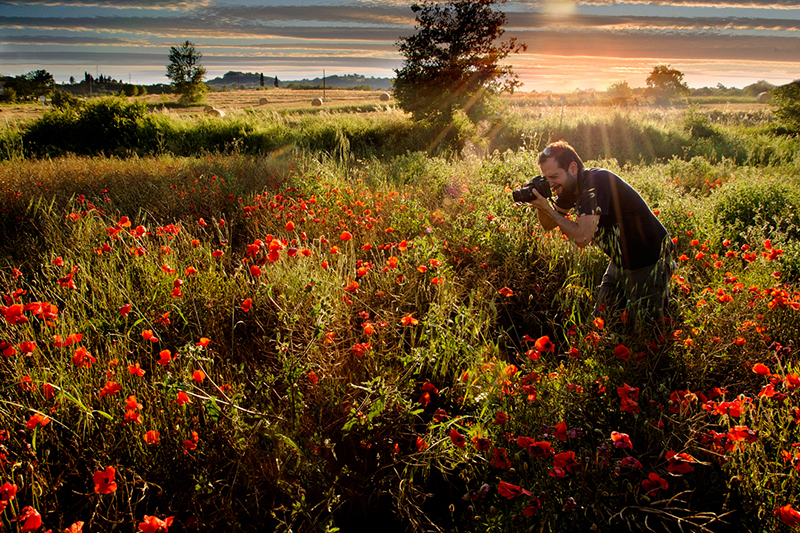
32, 519
621, 440
566, 461
163, 357
508, 491
37, 419
346, 236
501, 418
203, 342
76, 527
152, 437
152, 524
290, 226
198, 376
560, 431
654, 483
409, 320
104, 480
539, 449
788, 515
125, 309
598, 323
136, 370
457, 438
762, 369
182, 398
505, 291
622, 352
500, 459
312, 377
420, 444
83, 358
352, 288
255, 271
544, 344
27, 347
247, 304
7, 493
679, 462
481, 444
110, 389
148, 335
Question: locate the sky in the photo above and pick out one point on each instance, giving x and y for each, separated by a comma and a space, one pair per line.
571, 45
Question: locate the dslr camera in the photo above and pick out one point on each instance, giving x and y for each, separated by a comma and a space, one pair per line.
525, 193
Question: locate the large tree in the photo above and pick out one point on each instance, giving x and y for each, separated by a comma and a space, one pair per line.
453, 58
786, 100
186, 74
665, 83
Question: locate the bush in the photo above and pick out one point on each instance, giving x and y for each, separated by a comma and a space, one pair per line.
786, 100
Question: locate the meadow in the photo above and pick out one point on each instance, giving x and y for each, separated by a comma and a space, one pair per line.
330, 320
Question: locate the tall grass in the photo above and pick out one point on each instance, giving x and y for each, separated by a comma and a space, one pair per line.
366, 313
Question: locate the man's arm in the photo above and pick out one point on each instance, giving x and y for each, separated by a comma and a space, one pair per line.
580, 231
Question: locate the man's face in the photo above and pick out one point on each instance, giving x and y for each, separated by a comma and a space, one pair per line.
561, 181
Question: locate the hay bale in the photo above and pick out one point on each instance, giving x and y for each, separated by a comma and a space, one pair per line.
316, 102
385, 97
262, 101
213, 111
763, 98
207, 109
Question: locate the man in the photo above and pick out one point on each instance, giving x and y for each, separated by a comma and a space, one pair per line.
616, 218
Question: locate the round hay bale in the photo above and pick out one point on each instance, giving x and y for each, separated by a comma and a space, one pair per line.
262, 101
316, 102
216, 113
385, 97
208, 109
763, 98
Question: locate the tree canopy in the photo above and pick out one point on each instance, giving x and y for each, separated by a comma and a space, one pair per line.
665, 82
453, 58
186, 74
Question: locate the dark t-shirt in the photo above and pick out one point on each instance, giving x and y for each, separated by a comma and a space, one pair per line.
628, 231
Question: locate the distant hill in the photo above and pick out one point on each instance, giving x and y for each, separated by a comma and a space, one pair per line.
251, 80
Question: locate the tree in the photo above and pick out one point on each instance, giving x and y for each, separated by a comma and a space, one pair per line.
277, 83
33, 84
452, 61
186, 74
786, 100
619, 90
664, 83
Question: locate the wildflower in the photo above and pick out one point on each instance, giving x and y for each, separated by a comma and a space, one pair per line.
654, 483
110, 389
420, 444
290, 226
148, 335
164, 357
539, 449
788, 515
198, 376
457, 438
152, 437
505, 291
346, 236
621, 440
104, 481
762, 369
182, 398
544, 344
501, 418
191, 444
409, 320
76, 527
622, 352
203, 342
247, 304
481, 443
507, 490
598, 323
500, 459
255, 271
560, 431
152, 524
566, 461
32, 519
125, 310
7, 493
136, 370
312, 377
679, 462
83, 358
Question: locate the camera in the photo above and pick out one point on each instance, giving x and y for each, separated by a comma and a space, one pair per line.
525, 193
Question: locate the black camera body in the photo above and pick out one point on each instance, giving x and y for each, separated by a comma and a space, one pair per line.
525, 193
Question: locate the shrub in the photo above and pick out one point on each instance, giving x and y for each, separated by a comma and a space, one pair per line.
786, 100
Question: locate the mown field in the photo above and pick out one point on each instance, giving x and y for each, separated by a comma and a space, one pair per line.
337, 321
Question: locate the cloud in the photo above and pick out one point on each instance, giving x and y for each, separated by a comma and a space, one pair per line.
166, 5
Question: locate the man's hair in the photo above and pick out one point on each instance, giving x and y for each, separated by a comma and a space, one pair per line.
563, 153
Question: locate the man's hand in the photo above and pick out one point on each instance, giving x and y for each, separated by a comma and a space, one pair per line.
581, 231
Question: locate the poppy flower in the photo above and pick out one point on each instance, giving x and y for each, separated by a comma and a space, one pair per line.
654, 483
457, 438
37, 419
409, 320
560, 431
598, 323
255, 271
505, 291
312, 377
346, 236
27, 347
198, 376
538, 449
190, 270
164, 357
501, 418
152, 524
762, 369
481, 444
500, 459
290, 226
125, 310
621, 440
7, 493
679, 462
148, 335
622, 352
110, 389
566, 461
788, 515
76, 527
31, 517
544, 344
509, 491
203, 342
247, 304
420, 444
152, 437
83, 358
104, 480
136, 370
352, 288
182, 398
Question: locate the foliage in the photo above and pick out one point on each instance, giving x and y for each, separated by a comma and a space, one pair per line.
786, 101
186, 74
31, 85
63, 100
452, 61
619, 89
665, 83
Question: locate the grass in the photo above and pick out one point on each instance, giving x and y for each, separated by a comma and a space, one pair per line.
344, 340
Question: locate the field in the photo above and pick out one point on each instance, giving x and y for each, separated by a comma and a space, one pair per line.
339, 320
